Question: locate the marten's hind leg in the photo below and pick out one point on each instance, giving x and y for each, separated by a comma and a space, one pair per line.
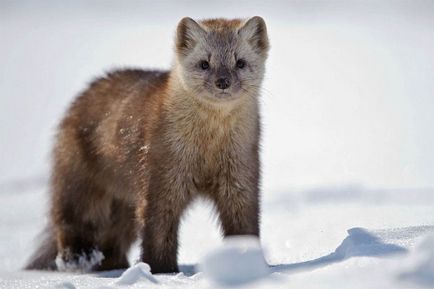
79, 211
93, 231
118, 237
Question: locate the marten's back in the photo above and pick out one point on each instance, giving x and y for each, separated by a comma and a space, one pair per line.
108, 125
106, 94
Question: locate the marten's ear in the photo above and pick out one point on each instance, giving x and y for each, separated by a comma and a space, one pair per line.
188, 34
255, 32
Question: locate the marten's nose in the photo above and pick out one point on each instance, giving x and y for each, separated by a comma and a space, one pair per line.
223, 83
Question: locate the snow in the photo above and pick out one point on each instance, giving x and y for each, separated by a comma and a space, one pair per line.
308, 245
134, 273
83, 263
239, 260
421, 265
348, 187
65, 285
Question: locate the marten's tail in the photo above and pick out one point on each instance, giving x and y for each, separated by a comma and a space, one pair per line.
45, 256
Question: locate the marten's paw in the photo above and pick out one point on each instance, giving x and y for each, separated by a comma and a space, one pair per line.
84, 261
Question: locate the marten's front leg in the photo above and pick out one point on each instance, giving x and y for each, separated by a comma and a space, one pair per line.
237, 201
239, 213
166, 200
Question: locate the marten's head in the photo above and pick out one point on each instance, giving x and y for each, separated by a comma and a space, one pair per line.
219, 60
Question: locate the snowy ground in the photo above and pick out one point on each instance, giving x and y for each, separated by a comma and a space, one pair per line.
348, 186
311, 244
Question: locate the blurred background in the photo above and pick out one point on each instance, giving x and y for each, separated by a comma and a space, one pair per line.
348, 98
347, 104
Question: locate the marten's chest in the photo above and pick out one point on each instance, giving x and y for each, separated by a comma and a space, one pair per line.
206, 145
206, 159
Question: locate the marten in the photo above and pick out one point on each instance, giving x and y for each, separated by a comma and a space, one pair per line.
137, 146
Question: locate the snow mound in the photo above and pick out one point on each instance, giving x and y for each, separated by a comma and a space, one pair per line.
239, 260
135, 273
421, 261
360, 242
83, 262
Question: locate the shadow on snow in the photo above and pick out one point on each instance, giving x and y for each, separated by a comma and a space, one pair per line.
358, 243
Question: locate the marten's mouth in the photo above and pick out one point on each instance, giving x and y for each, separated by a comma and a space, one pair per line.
223, 94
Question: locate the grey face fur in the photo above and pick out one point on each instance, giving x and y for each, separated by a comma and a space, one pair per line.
221, 60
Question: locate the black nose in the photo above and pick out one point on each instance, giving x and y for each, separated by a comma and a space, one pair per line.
223, 83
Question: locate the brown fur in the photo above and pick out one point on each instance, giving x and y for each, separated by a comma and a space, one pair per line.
134, 150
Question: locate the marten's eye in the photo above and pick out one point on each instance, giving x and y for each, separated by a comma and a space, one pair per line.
241, 63
204, 64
